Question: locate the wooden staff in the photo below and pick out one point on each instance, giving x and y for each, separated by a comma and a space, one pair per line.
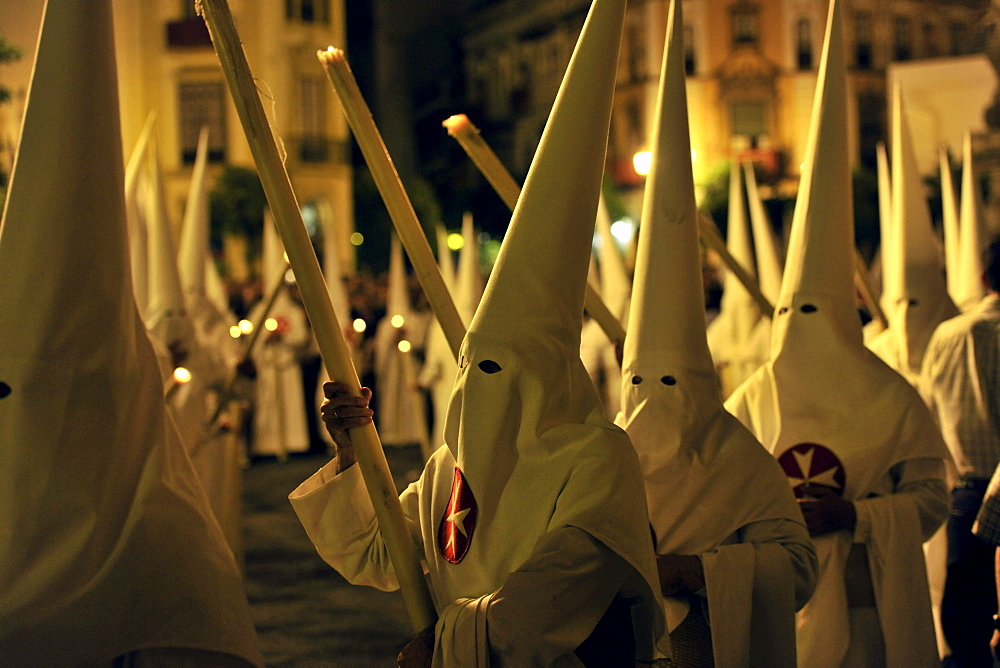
359, 117
867, 290
468, 137
316, 299
710, 235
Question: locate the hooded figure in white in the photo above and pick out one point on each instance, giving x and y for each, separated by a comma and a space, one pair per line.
968, 279
858, 445
887, 274
730, 337
107, 546
769, 265
279, 417
401, 418
716, 498
436, 375
950, 225
216, 457
913, 256
532, 519
616, 289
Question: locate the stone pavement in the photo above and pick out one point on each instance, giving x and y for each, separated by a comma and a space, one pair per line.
305, 613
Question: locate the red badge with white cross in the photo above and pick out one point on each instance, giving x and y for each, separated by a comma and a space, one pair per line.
812, 464
458, 522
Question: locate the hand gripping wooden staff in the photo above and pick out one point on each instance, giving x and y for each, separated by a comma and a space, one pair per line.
336, 357
359, 117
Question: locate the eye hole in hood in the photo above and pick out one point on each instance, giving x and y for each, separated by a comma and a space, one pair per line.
636, 380
489, 366
668, 380
808, 308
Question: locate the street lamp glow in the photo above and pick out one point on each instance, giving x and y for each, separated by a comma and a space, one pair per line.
182, 375
270, 324
455, 241
404, 346
359, 325
357, 239
234, 331
396, 321
642, 161
246, 326
622, 230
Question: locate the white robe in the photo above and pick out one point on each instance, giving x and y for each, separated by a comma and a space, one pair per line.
896, 484
279, 414
555, 581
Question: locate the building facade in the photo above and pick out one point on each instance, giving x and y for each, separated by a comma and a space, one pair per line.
752, 68
167, 66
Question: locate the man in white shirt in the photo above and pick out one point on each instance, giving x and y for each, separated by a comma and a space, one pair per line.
960, 381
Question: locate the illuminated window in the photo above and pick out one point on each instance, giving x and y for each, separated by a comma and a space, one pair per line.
308, 11
863, 40
957, 33
690, 64
746, 29
314, 146
902, 38
202, 104
803, 44
931, 49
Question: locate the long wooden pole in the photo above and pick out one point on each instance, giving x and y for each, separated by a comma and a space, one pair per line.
867, 290
468, 137
316, 299
404, 218
710, 235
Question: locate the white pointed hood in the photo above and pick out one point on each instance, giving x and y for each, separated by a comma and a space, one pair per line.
729, 333
890, 273
765, 246
827, 408
108, 543
950, 223
194, 231
469, 281
970, 284
196, 268
818, 265
135, 211
397, 296
922, 300
525, 426
616, 283
696, 458
445, 260
166, 313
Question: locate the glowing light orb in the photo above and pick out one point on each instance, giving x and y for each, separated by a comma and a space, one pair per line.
235, 332
360, 325
246, 326
357, 239
270, 324
404, 346
455, 241
642, 161
622, 230
182, 375
396, 321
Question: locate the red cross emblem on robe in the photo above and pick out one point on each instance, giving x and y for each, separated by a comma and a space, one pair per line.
458, 521
812, 464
